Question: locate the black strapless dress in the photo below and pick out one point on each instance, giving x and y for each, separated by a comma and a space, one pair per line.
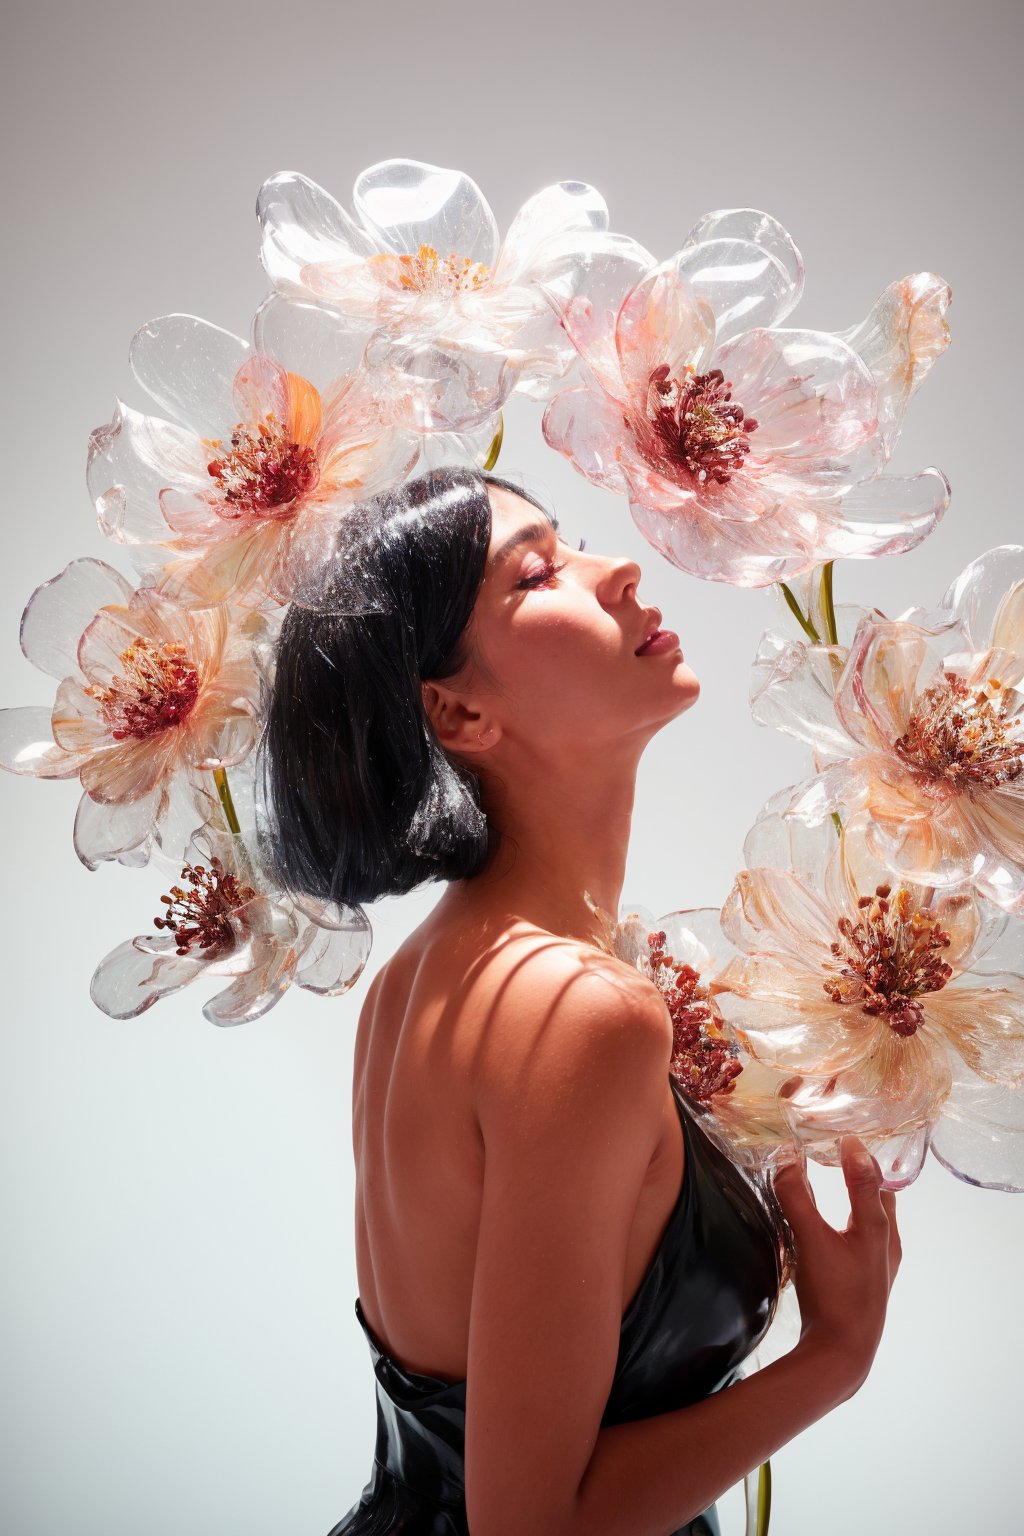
705, 1302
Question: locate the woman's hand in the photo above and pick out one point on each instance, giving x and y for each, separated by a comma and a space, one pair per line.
843, 1279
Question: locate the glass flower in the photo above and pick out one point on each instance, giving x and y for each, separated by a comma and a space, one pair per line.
920, 722
896, 1007
750, 452
148, 692
738, 1097
243, 489
455, 311
220, 920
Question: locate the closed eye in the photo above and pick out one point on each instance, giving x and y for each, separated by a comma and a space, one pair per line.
551, 569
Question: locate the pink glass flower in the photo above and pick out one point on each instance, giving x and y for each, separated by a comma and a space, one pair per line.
220, 921
920, 722
900, 1007
750, 452
149, 693
455, 311
242, 492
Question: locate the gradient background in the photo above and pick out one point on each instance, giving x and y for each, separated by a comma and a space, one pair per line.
180, 1351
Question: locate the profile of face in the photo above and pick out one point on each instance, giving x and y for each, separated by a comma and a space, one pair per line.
554, 671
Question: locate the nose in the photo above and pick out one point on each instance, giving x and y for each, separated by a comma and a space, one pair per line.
621, 575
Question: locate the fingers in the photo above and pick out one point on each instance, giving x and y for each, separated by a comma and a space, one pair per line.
863, 1182
895, 1245
795, 1195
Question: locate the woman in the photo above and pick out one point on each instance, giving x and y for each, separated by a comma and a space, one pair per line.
558, 1272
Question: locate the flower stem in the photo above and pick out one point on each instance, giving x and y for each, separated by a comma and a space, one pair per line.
495, 448
764, 1497
758, 1502
805, 623
220, 778
828, 608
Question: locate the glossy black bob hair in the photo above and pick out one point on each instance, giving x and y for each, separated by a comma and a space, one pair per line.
359, 800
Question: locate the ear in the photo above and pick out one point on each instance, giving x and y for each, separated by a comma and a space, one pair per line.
457, 724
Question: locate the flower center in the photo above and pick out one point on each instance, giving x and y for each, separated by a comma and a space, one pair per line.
703, 1062
697, 424
158, 688
891, 960
963, 734
198, 917
427, 272
263, 471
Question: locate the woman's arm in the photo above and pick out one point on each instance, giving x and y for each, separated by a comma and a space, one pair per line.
570, 1089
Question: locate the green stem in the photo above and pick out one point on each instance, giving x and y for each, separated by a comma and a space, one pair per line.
495, 448
805, 623
828, 608
764, 1497
220, 778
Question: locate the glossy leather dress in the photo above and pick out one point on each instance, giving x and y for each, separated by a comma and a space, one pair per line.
706, 1300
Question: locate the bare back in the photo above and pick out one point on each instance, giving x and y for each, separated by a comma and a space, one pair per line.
435, 1014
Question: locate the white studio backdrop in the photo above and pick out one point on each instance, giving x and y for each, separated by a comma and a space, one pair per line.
179, 1348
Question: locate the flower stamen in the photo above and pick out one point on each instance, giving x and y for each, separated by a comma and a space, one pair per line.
264, 471
963, 734
891, 959
198, 917
158, 689
703, 1062
427, 272
696, 423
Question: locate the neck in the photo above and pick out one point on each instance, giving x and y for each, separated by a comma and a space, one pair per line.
558, 836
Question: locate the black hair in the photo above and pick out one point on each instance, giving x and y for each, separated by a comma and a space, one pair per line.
360, 800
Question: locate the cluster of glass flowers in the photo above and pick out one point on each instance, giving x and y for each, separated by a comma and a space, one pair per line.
865, 971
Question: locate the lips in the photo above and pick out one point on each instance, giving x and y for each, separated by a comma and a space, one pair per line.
650, 629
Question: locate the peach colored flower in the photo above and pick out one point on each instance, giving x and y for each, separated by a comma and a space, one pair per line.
749, 452
221, 921
149, 693
920, 722
737, 1097
873, 991
454, 310
242, 493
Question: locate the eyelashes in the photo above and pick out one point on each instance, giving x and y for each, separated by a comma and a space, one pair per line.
551, 569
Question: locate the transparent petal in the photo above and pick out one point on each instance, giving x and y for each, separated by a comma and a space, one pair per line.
308, 339
129, 980
586, 426
130, 769
61, 608
988, 598
792, 687
334, 957
884, 516
302, 223
980, 1137
122, 832
585, 287
662, 323
985, 1026
743, 283
811, 395
27, 745
130, 461
760, 229
408, 203
783, 1018
188, 366
255, 991
903, 334
568, 210
770, 911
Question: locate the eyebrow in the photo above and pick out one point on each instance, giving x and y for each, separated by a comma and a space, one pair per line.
524, 535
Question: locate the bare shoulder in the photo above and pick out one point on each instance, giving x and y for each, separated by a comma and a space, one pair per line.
558, 1010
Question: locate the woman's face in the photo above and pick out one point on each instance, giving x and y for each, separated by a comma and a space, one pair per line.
556, 630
